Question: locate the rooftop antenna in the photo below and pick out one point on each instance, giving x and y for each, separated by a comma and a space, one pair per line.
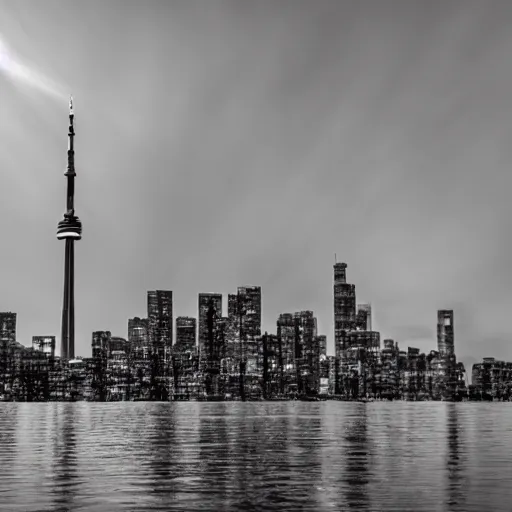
335, 261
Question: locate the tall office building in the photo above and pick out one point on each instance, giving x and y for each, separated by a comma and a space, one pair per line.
185, 334
100, 344
364, 317
44, 344
233, 306
249, 304
138, 337
445, 333
232, 334
69, 229
204, 302
160, 322
322, 343
7, 328
286, 338
344, 307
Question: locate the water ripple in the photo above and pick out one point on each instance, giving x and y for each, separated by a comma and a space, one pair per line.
255, 456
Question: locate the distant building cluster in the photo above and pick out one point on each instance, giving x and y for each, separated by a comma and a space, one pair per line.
216, 357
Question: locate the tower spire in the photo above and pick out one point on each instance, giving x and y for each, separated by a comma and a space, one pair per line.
71, 146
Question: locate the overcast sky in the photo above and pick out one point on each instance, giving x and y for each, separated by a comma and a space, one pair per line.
223, 143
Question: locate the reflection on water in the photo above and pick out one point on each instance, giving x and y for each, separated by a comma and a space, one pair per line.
455, 462
256, 456
356, 456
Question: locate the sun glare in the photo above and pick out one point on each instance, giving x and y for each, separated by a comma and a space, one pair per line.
27, 75
4, 56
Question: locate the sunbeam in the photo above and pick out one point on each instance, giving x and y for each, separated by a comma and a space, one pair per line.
18, 72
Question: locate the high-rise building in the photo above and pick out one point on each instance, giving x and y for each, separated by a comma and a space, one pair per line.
232, 335
100, 344
286, 337
185, 334
233, 306
7, 328
69, 229
160, 322
307, 351
138, 337
344, 307
45, 344
364, 317
322, 343
445, 332
249, 304
204, 302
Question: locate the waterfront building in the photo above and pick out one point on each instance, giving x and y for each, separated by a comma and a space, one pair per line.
185, 334
160, 323
8, 350
286, 334
138, 337
491, 380
204, 302
445, 332
100, 344
344, 307
249, 305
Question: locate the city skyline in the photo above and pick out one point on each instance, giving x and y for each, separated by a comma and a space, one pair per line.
200, 173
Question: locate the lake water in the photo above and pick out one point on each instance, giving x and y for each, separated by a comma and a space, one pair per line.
384, 456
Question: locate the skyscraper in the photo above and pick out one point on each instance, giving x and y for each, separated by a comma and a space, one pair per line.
204, 301
69, 229
138, 337
344, 307
445, 332
185, 334
100, 344
249, 300
286, 338
160, 321
364, 317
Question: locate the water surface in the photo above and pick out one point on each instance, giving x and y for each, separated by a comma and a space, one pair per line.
385, 456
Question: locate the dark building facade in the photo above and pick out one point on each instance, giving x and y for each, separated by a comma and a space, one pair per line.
344, 307
249, 304
286, 337
160, 322
364, 317
138, 337
185, 334
101, 344
204, 302
445, 332
7, 328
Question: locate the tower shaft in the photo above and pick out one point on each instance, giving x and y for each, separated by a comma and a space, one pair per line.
67, 349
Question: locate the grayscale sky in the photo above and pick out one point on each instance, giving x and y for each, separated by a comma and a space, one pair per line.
222, 143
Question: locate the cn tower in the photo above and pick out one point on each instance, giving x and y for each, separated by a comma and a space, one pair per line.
69, 229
